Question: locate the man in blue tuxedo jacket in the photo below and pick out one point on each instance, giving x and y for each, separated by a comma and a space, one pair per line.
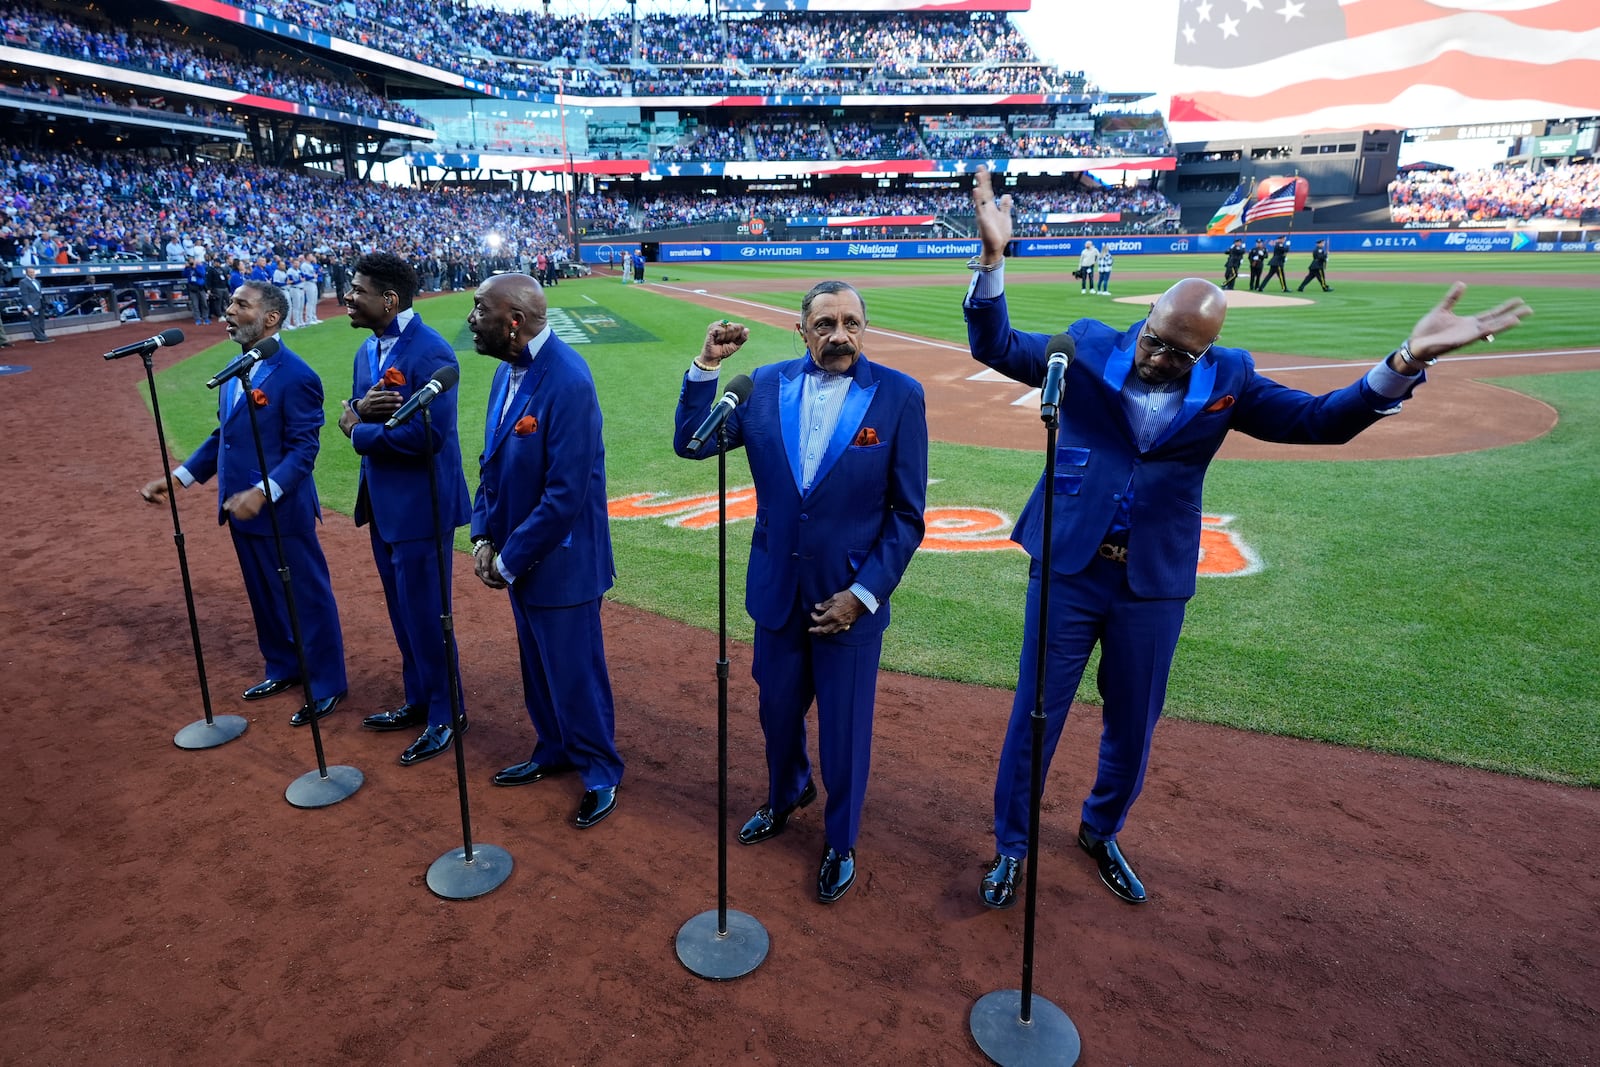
288, 398
540, 528
1142, 413
838, 448
395, 496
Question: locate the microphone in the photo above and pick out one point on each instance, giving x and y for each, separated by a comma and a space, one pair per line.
443, 379
1060, 350
266, 349
737, 393
144, 348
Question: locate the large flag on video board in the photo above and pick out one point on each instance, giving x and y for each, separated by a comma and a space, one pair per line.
1251, 67
1230, 216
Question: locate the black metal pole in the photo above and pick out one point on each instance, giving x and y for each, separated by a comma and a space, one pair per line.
722, 679
722, 944
210, 733
1037, 722
283, 572
468, 873
1004, 1023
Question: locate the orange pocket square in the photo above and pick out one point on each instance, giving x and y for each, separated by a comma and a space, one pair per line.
1222, 403
525, 425
258, 398
867, 436
392, 376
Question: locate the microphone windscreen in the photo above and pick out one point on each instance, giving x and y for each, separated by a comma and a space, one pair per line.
740, 387
268, 348
171, 337
446, 376
1061, 344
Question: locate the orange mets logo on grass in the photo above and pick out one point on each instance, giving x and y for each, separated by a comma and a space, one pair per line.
1223, 553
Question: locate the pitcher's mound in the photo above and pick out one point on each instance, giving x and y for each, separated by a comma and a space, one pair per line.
1237, 298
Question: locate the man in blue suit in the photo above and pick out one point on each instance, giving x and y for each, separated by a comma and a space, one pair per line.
540, 529
288, 400
395, 496
1142, 413
838, 448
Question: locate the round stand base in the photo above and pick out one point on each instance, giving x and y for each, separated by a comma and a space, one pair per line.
312, 790
1047, 1038
219, 731
721, 956
454, 877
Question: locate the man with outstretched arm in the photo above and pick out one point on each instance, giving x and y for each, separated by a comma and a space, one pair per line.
1144, 409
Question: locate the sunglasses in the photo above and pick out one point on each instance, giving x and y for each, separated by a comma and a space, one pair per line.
1151, 340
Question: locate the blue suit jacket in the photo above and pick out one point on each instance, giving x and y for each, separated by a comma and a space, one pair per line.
1097, 459
542, 494
291, 424
861, 521
393, 490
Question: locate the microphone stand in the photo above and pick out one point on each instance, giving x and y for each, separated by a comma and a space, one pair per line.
212, 730
1004, 1023
326, 785
722, 944
461, 873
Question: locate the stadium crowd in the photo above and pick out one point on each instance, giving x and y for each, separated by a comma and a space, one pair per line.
110, 205
775, 53
42, 30
1494, 194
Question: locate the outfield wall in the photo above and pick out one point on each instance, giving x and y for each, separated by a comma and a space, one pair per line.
1163, 244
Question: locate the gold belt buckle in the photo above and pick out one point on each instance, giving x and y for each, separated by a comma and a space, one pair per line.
1115, 553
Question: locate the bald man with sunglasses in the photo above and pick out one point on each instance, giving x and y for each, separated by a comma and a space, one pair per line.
1143, 411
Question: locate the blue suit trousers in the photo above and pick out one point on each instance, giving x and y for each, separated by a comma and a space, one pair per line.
1138, 637
792, 667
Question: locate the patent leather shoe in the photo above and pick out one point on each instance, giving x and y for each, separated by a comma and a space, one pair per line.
836, 875
766, 823
406, 715
1115, 870
270, 688
596, 805
999, 887
434, 741
530, 771
317, 709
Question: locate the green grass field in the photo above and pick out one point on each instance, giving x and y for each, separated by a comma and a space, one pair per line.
1445, 608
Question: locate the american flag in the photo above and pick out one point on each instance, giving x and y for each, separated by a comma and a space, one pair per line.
1250, 67
1275, 205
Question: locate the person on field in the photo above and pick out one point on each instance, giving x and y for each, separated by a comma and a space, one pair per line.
1144, 409
838, 449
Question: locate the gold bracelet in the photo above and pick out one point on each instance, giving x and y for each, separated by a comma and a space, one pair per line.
702, 366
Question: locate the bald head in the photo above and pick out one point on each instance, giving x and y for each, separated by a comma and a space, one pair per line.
1187, 318
508, 311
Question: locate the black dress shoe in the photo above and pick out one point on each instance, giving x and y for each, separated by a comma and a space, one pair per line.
1114, 869
270, 688
766, 823
596, 805
316, 709
836, 875
999, 887
406, 715
434, 740
530, 771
